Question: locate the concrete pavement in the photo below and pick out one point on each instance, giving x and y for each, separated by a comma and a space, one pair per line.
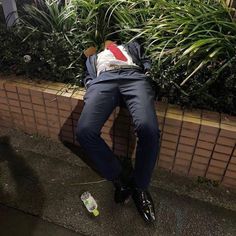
49, 187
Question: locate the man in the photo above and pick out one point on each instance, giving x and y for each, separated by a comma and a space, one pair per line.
121, 71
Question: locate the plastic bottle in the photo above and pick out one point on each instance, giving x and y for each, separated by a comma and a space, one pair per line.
90, 203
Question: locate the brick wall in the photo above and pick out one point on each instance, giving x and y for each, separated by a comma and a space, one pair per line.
193, 143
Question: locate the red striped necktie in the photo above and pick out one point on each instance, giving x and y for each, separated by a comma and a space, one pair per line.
116, 52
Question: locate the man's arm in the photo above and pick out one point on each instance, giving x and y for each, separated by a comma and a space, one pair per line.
138, 52
91, 72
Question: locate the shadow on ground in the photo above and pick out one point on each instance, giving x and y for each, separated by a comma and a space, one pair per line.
19, 184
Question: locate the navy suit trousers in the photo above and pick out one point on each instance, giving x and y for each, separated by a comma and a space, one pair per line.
99, 102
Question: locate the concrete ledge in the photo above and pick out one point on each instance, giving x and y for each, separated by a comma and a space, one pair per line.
193, 143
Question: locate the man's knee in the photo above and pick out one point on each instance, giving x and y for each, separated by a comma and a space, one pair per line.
84, 133
148, 131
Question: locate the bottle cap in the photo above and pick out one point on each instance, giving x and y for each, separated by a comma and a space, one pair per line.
95, 212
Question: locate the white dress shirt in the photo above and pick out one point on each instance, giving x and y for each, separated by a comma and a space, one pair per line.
106, 60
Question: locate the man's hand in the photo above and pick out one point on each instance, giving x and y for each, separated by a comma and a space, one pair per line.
90, 51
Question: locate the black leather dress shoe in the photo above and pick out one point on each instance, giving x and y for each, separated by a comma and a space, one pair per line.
144, 204
122, 191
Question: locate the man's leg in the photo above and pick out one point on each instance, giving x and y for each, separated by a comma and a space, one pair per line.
100, 100
139, 98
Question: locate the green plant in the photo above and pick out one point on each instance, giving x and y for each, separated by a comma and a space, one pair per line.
192, 44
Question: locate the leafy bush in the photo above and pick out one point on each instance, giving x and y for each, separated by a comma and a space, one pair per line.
192, 44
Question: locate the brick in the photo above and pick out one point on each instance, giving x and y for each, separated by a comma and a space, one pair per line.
26, 105
189, 133
3, 101
200, 159
209, 130
12, 95
223, 149
65, 106
165, 164
5, 123
210, 115
229, 181
182, 162
166, 157
189, 141
220, 157
36, 94
196, 113
40, 115
51, 104
219, 164
38, 108
198, 166
167, 151
231, 174
56, 130
205, 145
227, 119
37, 100
4, 107
23, 91
25, 98
29, 119
232, 167
65, 113
16, 116
14, 103
67, 128
27, 112
108, 123
226, 141
184, 155
66, 133
215, 170
202, 152
227, 134
171, 129
53, 123
68, 121
191, 126
19, 123
53, 111
233, 160
173, 122
185, 148
10, 87
75, 116
106, 130
170, 137
167, 144
40, 122
2, 93
207, 137
5, 113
